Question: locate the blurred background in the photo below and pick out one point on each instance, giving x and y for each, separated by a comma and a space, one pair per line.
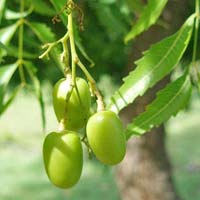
164, 164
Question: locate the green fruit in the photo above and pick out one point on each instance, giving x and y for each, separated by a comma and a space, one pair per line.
74, 112
63, 158
106, 137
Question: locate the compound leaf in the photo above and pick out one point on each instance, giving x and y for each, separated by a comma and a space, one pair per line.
156, 63
148, 17
168, 102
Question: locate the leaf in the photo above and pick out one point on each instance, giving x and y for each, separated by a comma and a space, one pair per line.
36, 83
6, 73
45, 35
149, 16
10, 100
42, 7
2, 46
10, 14
113, 25
136, 5
2, 7
59, 5
81, 47
107, 1
6, 35
42, 31
156, 63
168, 102
13, 51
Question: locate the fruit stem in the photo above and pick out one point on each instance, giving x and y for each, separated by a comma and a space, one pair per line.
100, 102
49, 46
84, 140
76, 60
74, 57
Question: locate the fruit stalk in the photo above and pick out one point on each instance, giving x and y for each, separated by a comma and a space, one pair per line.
21, 45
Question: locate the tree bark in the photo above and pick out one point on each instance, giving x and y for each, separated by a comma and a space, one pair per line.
145, 173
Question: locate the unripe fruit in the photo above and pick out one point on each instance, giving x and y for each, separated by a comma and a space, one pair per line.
63, 158
75, 111
106, 137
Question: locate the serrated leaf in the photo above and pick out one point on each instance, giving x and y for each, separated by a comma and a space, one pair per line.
107, 1
169, 102
10, 99
2, 46
6, 35
45, 35
156, 63
36, 83
136, 5
149, 16
10, 14
6, 73
2, 7
114, 25
42, 31
81, 47
42, 7
59, 5
13, 51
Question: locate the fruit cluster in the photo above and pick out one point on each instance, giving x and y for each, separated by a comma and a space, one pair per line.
62, 150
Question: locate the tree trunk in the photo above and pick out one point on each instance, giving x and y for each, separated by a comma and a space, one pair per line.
145, 173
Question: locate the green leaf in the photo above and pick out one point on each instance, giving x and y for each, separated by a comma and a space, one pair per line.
107, 1
42, 7
10, 14
114, 25
81, 47
36, 83
6, 35
42, 31
2, 7
10, 99
45, 35
149, 16
156, 63
2, 46
169, 101
59, 5
6, 73
13, 51
136, 5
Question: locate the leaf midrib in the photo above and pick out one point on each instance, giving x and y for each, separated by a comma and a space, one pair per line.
156, 66
163, 108
162, 60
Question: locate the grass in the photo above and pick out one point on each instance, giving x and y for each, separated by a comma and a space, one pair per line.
22, 172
